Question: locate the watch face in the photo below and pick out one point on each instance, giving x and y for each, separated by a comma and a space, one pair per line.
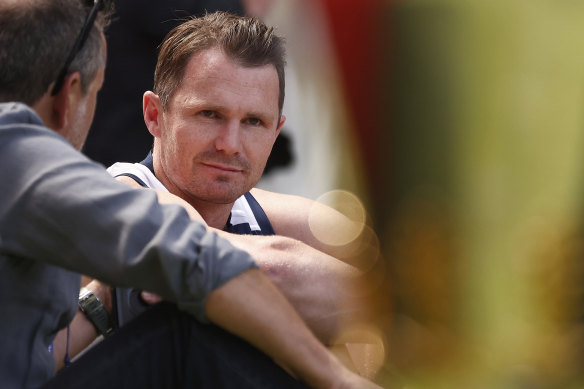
84, 293
95, 312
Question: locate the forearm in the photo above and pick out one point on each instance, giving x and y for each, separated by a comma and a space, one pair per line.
327, 293
251, 307
81, 334
81, 331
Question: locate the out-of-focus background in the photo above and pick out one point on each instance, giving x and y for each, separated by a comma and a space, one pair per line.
459, 124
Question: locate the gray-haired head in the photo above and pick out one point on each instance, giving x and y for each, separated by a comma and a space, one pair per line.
35, 40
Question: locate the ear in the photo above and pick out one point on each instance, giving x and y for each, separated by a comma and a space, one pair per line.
64, 102
152, 110
280, 125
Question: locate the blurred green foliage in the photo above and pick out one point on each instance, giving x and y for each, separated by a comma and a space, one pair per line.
482, 218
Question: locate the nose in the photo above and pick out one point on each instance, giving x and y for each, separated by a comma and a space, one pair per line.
228, 138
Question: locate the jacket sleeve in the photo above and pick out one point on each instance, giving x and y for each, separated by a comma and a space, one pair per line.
59, 207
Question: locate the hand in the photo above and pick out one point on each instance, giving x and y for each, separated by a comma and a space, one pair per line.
150, 298
350, 380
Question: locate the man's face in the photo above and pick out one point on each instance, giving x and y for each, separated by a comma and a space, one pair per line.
219, 128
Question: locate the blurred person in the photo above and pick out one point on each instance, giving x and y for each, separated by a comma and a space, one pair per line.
62, 215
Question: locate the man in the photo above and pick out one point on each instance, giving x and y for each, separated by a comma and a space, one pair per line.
62, 215
210, 148
215, 113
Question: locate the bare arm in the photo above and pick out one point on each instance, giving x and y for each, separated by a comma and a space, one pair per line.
271, 324
81, 332
332, 278
322, 227
251, 307
329, 294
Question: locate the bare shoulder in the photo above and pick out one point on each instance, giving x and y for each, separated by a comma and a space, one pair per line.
129, 181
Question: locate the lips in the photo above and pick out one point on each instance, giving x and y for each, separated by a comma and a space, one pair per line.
222, 167
212, 159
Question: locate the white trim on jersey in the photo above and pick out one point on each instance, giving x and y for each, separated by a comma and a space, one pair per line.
138, 170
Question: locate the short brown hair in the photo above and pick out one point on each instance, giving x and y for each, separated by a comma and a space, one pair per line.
247, 41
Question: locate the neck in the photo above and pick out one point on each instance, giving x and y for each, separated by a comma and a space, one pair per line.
215, 215
44, 108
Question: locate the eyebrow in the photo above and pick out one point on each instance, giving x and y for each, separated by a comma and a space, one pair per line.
196, 105
263, 116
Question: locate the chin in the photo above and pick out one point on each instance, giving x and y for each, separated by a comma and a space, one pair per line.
225, 189
221, 197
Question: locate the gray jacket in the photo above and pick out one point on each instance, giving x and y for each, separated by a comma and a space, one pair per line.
62, 215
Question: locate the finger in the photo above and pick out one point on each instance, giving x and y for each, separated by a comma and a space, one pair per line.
150, 298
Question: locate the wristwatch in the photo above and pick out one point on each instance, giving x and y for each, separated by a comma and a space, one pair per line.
95, 312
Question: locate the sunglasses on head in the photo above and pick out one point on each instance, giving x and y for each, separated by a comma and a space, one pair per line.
96, 6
